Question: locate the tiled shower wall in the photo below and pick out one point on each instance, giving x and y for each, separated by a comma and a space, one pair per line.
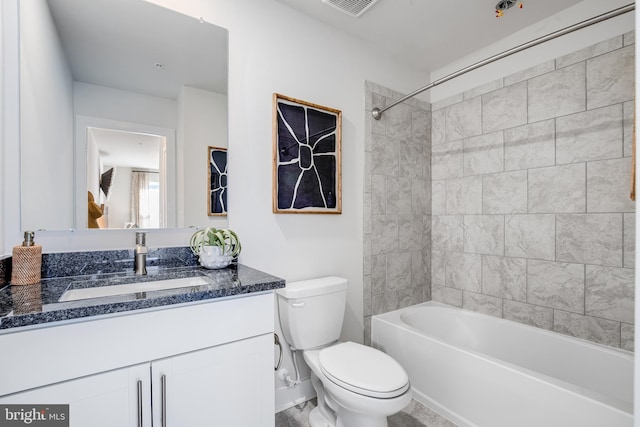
531, 213
397, 204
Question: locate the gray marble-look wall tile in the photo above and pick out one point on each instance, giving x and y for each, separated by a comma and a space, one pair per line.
482, 303
504, 193
398, 271
628, 117
378, 274
504, 108
504, 277
530, 236
555, 284
590, 135
438, 136
609, 293
611, 78
438, 267
411, 160
438, 198
629, 240
590, 52
367, 171
586, 327
447, 232
529, 73
482, 89
384, 234
420, 126
629, 38
464, 195
388, 301
366, 296
446, 160
557, 93
541, 317
530, 146
557, 189
385, 155
399, 195
420, 196
463, 119
398, 120
463, 271
378, 195
447, 296
418, 270
627, 337
366, 262
608, 186
410, 232
484, 154
589, 239
441, 104
484, 234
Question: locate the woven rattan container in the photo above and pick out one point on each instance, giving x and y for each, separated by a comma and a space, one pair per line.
26, 262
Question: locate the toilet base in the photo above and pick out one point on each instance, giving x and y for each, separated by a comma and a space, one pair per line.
316, 419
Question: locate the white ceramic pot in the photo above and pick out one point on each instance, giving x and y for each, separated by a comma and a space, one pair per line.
213, 257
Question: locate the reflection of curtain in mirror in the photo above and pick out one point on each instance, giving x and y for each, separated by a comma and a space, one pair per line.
140, 199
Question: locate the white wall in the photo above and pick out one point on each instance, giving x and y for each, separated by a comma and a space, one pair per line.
108, 103
538, 54
46, 93
202, 123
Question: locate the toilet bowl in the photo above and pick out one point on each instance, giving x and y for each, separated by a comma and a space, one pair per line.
364, 394
356, 385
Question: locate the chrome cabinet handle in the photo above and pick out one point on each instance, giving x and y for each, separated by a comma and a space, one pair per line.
139, 403
163, 381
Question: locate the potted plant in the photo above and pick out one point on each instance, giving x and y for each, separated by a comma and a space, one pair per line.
215, 247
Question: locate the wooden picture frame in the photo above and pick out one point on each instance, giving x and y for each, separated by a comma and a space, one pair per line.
307, 160
217, 182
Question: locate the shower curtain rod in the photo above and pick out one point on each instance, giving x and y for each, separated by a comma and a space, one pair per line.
377, 112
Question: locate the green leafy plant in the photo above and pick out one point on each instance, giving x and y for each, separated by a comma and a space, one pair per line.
224, 238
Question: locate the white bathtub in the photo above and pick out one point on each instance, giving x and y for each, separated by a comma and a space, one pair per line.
479, 370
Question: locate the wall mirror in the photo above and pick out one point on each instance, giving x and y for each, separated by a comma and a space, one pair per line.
119, 102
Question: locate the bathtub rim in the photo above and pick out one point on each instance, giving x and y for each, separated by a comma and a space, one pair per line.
622, 406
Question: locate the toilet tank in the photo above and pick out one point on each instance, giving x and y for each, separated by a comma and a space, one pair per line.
312, 311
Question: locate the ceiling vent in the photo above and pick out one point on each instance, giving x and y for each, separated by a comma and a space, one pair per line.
353, 8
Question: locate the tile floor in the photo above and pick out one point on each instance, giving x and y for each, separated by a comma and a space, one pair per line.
414, 415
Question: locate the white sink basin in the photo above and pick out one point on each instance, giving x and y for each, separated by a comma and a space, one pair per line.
131, 288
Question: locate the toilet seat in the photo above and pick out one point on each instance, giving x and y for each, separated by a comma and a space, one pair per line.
363, 370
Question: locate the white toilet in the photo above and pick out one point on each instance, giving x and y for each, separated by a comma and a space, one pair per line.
357, 386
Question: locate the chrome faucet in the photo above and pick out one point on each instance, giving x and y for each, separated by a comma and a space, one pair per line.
140, 254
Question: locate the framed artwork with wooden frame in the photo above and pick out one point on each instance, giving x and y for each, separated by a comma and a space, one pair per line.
217, 185
307, 163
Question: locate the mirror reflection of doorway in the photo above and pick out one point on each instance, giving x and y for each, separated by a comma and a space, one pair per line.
125, 172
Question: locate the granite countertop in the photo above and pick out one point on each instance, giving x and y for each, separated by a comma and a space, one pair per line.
40, 304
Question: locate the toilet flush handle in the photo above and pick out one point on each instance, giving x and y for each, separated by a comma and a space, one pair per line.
297, 304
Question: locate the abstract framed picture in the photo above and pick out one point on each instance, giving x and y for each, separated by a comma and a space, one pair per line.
307, 164
217, 188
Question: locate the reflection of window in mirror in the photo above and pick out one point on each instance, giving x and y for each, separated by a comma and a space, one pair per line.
126, 171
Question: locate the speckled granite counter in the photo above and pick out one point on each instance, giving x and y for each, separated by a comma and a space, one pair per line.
39, 304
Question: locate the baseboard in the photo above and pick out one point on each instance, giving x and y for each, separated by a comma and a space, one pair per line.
287, 397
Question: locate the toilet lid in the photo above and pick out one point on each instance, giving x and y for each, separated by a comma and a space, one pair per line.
363, 370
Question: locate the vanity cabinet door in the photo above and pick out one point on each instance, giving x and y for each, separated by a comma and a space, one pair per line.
226, 385
115, 398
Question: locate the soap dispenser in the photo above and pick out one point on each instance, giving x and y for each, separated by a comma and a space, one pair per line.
26, 262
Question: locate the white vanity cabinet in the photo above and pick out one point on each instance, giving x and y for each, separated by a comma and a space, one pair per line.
101, 400
200, 364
